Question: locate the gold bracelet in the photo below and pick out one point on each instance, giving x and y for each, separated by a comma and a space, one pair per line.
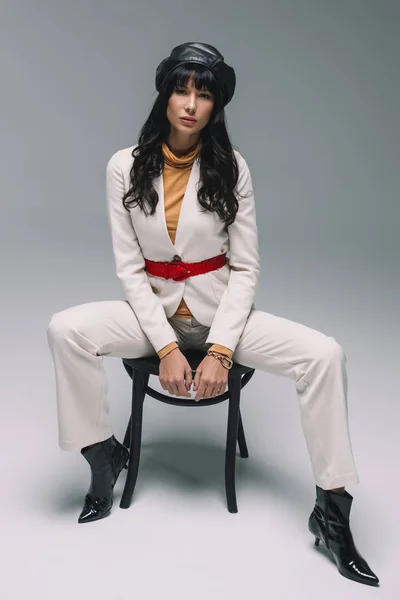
221, 358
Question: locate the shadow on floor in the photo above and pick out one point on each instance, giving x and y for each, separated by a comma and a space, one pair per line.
194, 467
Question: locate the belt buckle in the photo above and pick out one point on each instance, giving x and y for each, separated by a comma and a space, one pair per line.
184, 275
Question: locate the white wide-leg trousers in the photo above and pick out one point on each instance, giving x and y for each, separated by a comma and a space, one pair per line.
79, 337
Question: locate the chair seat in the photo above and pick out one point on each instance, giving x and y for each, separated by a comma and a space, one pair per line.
151, 364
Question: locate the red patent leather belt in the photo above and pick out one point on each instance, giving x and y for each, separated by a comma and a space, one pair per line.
179, 270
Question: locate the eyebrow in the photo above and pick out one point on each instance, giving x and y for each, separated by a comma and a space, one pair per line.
201, 91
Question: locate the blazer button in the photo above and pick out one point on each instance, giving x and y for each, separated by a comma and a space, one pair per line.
177, 257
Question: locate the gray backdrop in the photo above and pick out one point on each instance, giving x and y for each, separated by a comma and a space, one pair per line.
315, 115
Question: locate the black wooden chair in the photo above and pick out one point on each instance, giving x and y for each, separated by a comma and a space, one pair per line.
140, 369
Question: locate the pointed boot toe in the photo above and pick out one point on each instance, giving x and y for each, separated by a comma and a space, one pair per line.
358, 571
94, 509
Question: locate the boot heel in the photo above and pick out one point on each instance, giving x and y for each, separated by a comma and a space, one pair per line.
316, 543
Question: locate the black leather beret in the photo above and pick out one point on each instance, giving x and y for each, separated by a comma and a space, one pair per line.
204, 54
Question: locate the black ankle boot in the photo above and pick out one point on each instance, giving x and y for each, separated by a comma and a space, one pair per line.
106, 460
329, 522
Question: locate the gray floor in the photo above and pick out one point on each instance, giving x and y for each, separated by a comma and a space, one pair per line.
178, 539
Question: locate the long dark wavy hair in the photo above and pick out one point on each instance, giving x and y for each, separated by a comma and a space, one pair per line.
218, 165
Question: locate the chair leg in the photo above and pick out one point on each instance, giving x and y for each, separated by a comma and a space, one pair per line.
140, 381
127, 437
244, 453
234, 385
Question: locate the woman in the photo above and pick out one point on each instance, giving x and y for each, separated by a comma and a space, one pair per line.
178, 202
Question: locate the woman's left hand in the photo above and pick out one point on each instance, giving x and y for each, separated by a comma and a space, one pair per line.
211, 378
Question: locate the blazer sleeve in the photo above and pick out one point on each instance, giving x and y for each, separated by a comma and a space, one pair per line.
237, 299
130, 264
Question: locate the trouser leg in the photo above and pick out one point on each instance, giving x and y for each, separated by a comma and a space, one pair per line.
79, 337
317, 364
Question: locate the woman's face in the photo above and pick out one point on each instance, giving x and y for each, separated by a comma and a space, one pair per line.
187, 101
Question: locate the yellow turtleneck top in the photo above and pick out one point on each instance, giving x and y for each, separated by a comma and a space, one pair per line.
176, 174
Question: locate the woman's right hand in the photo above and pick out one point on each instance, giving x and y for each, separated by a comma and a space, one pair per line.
176, 373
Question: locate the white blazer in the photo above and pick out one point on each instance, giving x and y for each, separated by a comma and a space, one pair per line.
221, 299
